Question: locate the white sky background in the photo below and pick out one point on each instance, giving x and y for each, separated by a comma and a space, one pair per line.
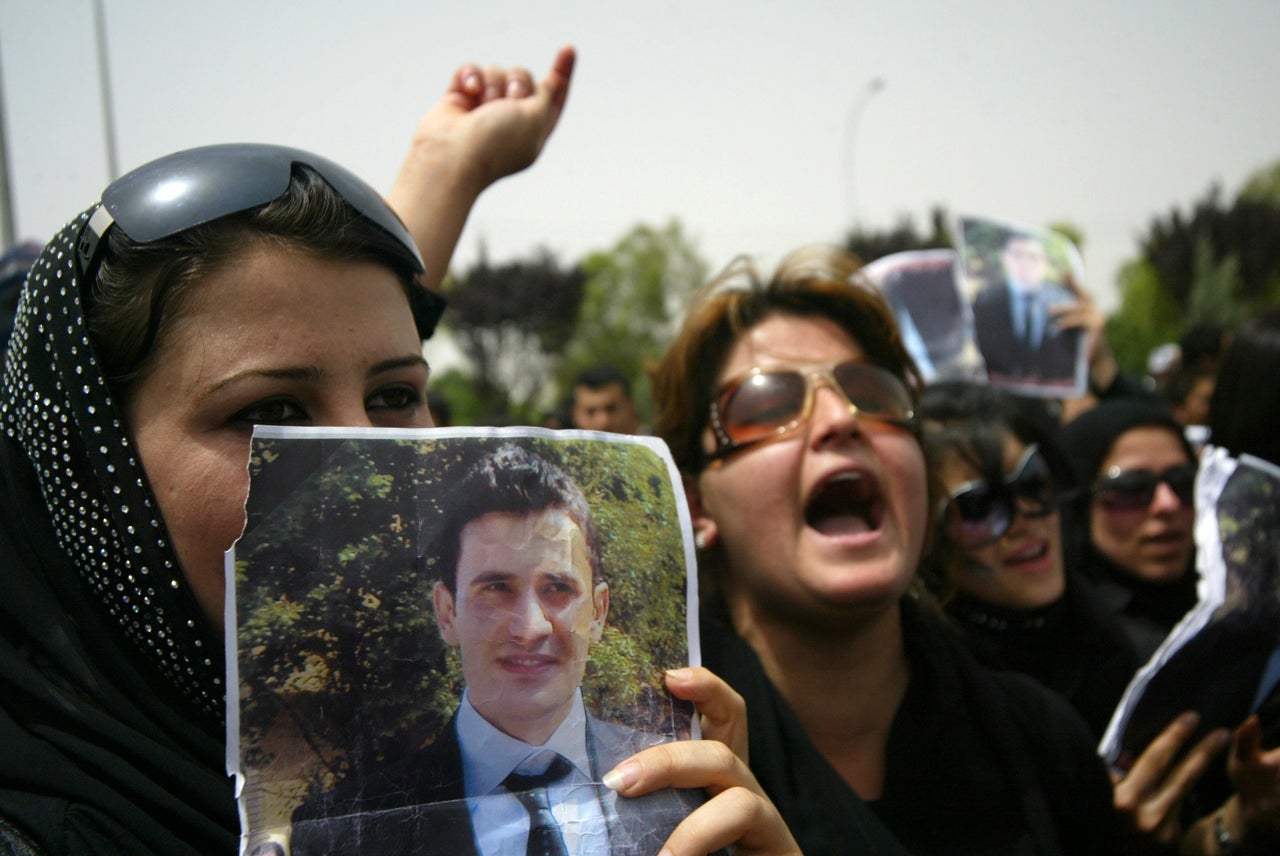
731, 115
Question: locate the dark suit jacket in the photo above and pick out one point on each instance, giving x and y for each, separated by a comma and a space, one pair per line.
416, 804
1009, 358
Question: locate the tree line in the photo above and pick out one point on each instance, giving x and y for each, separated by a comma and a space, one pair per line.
527, 327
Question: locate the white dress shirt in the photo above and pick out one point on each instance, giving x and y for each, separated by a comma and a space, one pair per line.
500, 821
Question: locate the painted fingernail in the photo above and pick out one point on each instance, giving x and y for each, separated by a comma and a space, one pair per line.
622, 776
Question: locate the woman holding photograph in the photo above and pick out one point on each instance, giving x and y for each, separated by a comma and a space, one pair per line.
789, 405
1005, 585
213, 290
1020, 608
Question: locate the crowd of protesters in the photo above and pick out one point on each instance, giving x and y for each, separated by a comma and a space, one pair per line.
922, 602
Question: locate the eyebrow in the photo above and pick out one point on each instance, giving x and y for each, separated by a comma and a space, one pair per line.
490, 576
311, 374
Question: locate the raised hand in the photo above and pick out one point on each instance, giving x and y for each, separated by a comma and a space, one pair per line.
490, 122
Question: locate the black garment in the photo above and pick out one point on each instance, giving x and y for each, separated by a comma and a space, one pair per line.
111, 702
1073, 646
417, 803
1010, 359
978, 761
1146, 611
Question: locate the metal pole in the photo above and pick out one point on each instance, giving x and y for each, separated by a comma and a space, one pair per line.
104, 81
860, 101
8, 235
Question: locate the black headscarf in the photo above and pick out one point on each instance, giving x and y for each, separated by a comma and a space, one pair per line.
1150, 610
111, 679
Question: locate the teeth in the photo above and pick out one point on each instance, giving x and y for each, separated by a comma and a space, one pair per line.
1033, 552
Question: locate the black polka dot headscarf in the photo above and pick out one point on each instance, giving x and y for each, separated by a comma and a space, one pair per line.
60, 410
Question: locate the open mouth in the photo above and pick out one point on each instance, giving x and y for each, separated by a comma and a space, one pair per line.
846, 504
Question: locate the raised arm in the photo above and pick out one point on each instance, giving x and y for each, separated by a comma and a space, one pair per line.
490, 123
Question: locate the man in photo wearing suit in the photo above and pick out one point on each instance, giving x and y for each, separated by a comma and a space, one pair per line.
522, 596
1015, 331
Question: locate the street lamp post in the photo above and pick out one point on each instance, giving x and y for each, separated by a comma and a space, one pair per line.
856, 109
104, 89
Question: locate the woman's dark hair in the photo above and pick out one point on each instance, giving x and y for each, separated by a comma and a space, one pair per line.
139, 289
972, 421
1244, 414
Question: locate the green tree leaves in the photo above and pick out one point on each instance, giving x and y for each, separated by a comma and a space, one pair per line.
338, 648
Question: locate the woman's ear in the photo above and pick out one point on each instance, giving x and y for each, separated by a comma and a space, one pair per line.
705, 530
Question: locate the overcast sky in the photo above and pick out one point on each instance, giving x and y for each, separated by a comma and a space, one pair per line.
731, 115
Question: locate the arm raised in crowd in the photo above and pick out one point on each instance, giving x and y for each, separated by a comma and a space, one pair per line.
490, 123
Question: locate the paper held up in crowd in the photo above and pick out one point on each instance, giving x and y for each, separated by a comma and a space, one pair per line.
1222, 660
988, 310
441, 639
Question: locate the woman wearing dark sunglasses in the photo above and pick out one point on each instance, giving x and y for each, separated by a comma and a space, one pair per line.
1006, 585
1020, 608
789, 405
1129, 524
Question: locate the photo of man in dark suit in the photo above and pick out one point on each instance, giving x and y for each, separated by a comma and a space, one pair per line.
1015, 330
522, 596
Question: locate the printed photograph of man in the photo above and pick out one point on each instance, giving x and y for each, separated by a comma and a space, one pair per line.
522, 596
1014, 326
922, 290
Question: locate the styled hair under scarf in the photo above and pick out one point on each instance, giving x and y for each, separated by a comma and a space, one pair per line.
111, 680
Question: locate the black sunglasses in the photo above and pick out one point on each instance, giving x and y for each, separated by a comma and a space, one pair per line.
188, 188
979, 512
1129, 490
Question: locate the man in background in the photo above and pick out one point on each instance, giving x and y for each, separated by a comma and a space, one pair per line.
602, 401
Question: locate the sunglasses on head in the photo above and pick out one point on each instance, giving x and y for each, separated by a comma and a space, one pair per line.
768, 404
979, 512
1128, 490
178, 192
